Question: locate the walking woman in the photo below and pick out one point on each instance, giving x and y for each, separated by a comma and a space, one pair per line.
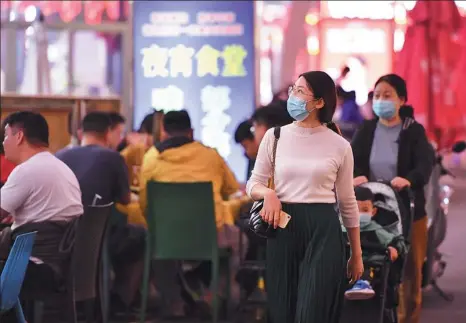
394, 148
306, 259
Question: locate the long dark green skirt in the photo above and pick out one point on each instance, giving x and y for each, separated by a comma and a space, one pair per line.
306, 267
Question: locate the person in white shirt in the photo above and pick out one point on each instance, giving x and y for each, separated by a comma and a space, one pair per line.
41, 187
41, 194
306, 259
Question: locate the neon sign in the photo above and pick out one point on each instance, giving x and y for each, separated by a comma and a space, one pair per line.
200, 59
171, 62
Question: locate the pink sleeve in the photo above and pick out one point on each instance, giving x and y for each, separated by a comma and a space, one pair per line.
263, 165
345, 191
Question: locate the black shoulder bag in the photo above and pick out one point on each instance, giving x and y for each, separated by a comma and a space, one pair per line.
256, 223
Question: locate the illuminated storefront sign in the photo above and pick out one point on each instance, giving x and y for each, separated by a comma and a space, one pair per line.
358, 9
201, 59
372, 9
363, 46
356, 40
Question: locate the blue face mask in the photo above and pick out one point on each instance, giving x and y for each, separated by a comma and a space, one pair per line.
384, 109
297, 108
365, 218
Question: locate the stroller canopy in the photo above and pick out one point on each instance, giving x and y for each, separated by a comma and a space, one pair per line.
389, 210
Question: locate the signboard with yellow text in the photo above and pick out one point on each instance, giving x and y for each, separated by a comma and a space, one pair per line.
198, 56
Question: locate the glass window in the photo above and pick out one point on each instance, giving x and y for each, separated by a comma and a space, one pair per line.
97, 63
90, 12
42, 61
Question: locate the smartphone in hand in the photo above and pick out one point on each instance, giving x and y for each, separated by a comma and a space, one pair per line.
284, 219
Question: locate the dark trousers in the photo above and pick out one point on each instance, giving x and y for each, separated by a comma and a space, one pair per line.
248, 278
306, 267
411, 289
127, 245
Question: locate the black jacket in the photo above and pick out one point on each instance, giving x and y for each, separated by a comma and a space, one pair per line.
53, 244
416, 157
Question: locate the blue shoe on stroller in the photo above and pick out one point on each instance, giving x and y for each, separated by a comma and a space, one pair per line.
361, 290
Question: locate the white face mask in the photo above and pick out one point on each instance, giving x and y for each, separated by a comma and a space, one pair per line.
365, 218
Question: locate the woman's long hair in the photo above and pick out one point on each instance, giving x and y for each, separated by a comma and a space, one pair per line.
323, 87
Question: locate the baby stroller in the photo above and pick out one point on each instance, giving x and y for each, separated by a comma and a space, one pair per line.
395, 214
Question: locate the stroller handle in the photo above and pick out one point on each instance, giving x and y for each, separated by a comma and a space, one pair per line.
406, 190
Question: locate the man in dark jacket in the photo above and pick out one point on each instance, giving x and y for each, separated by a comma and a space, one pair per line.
245, 137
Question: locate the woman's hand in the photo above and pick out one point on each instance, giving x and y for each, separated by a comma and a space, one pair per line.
355, 268
399, 183
360, 180
271, 210
393, 254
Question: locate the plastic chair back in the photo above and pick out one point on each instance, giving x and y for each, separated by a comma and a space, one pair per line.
15, 268
181, 220
87, 251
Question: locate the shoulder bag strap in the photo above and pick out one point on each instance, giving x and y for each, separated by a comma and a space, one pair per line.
276, 132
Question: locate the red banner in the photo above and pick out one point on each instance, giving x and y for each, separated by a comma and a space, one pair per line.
427, 62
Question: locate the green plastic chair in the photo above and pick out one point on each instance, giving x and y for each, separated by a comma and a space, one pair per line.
182, 226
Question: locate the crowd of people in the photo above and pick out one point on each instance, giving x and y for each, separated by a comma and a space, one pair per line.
315, 168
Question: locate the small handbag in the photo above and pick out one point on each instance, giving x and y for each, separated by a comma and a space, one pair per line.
256, 223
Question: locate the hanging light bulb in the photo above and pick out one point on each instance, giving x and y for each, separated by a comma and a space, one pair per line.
400, 14
398, 40
312, 19
313, 45
30, 14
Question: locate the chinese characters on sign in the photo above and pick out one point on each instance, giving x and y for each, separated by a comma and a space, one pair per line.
158, 61
177, 61
199, 59
215, 102
172, 62
167, 99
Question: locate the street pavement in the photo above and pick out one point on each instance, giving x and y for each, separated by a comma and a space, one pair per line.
436, 309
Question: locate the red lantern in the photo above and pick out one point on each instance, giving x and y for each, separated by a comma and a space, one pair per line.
49, 7
70, 10
113, 9
126, 9
93, 11
24, 4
